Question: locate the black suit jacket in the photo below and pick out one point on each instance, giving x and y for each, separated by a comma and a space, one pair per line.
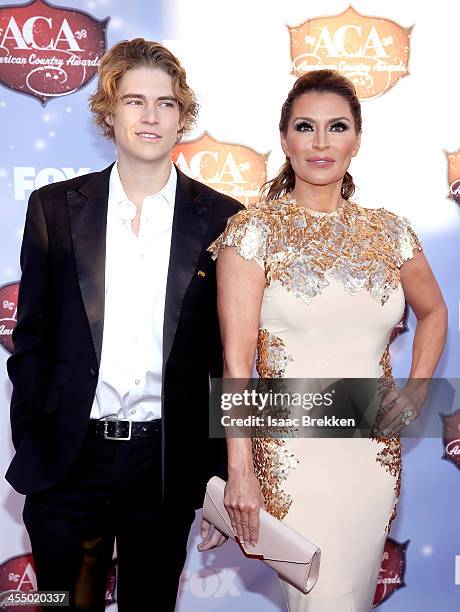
60, 321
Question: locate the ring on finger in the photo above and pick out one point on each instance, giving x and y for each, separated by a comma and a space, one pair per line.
407, 416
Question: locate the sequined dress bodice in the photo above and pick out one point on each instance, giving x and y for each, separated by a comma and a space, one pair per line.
333, 293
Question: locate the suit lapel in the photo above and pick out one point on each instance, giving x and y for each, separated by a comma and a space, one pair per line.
190, 223
87, 208
88, 224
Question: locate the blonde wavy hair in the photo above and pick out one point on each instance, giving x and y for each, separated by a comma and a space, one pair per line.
136, 53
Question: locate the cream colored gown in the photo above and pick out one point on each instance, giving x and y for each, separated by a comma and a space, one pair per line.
333, 296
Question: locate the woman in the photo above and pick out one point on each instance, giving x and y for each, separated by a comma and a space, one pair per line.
316, 283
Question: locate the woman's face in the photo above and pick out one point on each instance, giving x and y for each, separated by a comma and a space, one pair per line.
320, 139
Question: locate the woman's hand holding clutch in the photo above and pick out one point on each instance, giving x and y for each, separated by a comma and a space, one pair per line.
243, 500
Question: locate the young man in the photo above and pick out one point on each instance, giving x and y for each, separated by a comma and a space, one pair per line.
116, 338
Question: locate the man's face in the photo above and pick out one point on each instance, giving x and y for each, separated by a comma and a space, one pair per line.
146, 120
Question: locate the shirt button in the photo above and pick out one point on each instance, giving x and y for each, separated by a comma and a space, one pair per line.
133, 412
137, 381
125, 221
92, 372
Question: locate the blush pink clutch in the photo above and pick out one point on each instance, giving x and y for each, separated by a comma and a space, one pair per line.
292, 556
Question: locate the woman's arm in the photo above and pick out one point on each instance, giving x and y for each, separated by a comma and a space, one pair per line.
240, 288
424, 296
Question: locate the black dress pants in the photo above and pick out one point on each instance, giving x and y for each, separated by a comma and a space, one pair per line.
112, 493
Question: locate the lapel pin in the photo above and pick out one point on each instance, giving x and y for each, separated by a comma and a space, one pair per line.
201, 273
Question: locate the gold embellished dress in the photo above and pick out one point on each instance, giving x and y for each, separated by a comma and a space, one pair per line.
332, 298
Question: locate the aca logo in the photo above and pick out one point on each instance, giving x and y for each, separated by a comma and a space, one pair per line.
453, 174
391, 577
48, 51
232, 169
18, 575
451, 437
371, 51
8, 308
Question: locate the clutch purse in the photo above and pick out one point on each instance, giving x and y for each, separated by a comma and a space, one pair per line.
292, 556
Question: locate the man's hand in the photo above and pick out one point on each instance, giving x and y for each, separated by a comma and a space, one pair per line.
211, 537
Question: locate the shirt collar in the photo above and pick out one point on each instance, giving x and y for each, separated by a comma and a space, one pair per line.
117, 194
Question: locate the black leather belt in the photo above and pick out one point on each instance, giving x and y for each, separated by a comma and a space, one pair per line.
123, 429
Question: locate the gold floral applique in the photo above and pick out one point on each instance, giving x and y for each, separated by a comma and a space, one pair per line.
390, 456
273, 460
362, 248
272, 358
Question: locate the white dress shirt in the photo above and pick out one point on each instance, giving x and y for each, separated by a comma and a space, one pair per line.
136, 269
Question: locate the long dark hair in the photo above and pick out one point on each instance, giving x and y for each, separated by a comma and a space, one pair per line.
320, 81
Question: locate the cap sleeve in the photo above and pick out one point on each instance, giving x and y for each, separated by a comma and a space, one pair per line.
247, 232
408, 241
403, 237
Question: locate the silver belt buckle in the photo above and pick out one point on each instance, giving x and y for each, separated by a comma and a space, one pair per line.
106, 424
